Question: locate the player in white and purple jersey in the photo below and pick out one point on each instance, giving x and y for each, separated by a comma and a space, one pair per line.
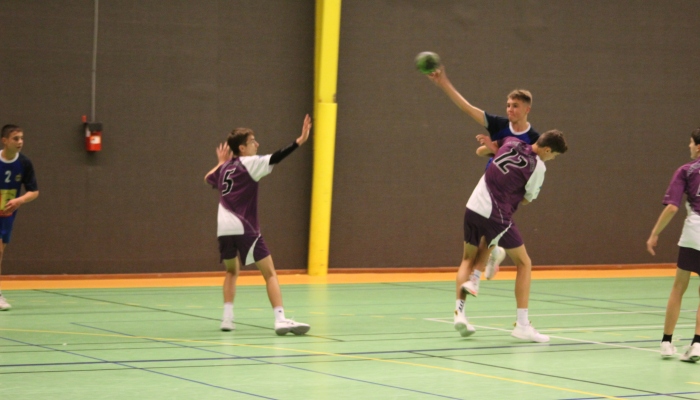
236, 177
685, 181
514, 177
518, 106
15, 171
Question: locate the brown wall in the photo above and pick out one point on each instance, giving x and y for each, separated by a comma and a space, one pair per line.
173, 78
618, 77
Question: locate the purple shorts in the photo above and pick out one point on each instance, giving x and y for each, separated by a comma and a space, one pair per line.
252, 248
476, 227
689, 259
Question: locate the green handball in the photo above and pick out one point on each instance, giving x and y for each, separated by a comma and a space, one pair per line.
427, 62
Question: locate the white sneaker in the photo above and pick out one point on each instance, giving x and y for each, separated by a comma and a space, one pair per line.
528, 332
288, 325
471, 287
692, 353
667, 350
4, 305
498, 254
463, 326
227, 325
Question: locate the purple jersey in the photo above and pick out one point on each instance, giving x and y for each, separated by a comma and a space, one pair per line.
237, 182
516, 173
686, 181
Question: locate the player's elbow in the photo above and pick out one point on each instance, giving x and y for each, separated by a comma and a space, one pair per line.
483, 151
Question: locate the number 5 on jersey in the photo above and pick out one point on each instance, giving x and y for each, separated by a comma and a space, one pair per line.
228, 182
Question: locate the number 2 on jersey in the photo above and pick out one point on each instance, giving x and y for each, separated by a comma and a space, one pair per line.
228, 182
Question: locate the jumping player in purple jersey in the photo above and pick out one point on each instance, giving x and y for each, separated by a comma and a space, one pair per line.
236, 177
518, 105
514, 177
686, 180
15, 171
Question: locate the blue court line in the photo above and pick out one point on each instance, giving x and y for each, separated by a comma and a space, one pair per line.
257, 359
175, 312
140, 369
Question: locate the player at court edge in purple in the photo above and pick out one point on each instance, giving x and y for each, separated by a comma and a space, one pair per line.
518, 105
514, 177
15, 171
236, 177
685, 181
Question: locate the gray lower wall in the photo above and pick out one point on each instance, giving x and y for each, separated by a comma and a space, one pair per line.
618, 77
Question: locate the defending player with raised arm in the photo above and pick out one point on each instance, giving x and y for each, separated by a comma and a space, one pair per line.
518, 106
686, 180
236, 177
514, 177
16, 171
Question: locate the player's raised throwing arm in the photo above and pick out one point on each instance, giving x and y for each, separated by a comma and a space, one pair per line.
280, 154
439, 78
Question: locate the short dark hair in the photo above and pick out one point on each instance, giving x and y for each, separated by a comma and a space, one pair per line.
521, 94
237, 137
554, 139
696, 136
8, 129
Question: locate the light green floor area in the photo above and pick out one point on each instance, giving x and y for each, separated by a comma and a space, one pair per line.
370, 341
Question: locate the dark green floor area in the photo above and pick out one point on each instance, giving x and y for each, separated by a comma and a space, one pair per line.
371, 341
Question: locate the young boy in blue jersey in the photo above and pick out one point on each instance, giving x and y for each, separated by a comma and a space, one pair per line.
15, 170
518, 105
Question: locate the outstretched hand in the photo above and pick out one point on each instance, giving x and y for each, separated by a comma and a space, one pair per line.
306, 128
438, 76
223, 153
485, 140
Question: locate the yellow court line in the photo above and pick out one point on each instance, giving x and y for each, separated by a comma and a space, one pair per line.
321, 353
258, 280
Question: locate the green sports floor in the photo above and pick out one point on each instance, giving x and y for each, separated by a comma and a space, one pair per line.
369, 341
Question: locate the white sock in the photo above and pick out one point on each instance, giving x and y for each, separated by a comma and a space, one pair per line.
279, 313
228, 311
476, 276
460, 307
522, 316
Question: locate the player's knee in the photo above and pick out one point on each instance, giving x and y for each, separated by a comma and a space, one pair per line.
269, 274
524, 264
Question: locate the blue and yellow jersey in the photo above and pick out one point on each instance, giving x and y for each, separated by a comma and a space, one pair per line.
13, 174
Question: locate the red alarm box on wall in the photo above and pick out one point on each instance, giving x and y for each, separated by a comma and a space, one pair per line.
93, 136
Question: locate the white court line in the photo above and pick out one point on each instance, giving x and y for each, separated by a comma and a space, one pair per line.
577, 314
557, 337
